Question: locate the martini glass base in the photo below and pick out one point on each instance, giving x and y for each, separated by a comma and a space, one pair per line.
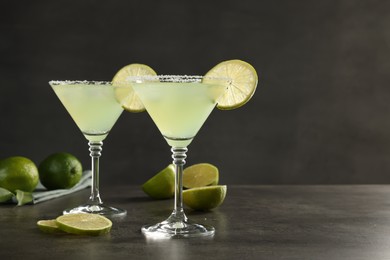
177, 229
100, 209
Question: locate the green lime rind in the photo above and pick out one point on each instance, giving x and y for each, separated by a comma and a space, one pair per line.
60, 171
49, 226
205, 198
23, 197
200, 175
84, 224
5, 195
18, 173
161, 185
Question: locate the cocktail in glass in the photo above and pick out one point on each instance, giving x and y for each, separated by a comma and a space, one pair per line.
178, 105
94, 107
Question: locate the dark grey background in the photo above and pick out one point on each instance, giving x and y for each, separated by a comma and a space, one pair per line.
320, 114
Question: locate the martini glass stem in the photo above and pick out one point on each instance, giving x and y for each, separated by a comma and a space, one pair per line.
179, 156
95, 148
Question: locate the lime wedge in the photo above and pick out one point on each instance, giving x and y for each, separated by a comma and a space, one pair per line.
242, 85
84, 224
161, 185
48, 226
126, 95
205, 198
199, 175
5, 195
23, 197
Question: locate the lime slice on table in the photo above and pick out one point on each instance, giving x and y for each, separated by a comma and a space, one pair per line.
84, 224
242, 84
205, 198
199, 175
126, 96
161, 185
48, 226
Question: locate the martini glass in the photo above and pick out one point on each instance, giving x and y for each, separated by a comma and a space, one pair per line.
178, 105
95, 109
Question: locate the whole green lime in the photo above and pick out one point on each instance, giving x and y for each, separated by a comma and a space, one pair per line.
18, 173
60, 171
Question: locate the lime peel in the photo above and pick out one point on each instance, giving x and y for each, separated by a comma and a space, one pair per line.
23, 197
5, 195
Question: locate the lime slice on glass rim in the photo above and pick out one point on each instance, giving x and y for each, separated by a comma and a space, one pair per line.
126, 95
205, 198
199, 175
242, 84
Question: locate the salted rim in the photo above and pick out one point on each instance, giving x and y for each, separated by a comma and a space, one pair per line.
76, 82
174, 78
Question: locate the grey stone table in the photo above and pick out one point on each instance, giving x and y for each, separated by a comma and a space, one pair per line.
255, 222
